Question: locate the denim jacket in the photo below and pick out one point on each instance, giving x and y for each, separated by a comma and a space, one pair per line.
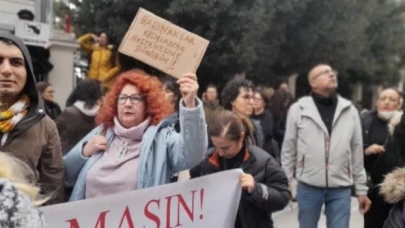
163, 151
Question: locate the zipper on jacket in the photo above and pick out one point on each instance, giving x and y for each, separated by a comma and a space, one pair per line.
303, 165
327, 151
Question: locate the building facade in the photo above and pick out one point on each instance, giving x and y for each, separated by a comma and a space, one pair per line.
62, 49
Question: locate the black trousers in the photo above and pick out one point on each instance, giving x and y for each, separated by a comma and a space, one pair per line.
379, 210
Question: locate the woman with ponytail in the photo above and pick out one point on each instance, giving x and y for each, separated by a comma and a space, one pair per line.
264, 184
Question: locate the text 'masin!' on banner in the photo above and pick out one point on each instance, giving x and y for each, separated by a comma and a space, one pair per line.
163, 45
209, 201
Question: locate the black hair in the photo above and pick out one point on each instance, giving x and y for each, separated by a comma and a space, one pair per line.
279, 106
171, 84
231, 91
212, 86
89, 91
7, 41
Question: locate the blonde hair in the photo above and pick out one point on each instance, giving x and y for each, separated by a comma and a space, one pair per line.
21, 176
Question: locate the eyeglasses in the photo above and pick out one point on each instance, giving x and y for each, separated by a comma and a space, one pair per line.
326, 72
135, 99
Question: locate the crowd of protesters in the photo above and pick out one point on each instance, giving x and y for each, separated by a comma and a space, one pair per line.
127, 131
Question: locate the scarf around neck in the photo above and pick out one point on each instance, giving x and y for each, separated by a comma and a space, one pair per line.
134, 133
12, 116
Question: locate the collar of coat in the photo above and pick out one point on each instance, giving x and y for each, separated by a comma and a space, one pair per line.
393, 187
214, 159
394, 121
309, 109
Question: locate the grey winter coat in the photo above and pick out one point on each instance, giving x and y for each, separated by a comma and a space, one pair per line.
319, 159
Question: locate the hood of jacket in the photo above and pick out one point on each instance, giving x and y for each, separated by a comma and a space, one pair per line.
36, 110
30, 85
393, 187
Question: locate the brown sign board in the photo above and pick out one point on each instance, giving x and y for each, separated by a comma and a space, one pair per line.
163, 45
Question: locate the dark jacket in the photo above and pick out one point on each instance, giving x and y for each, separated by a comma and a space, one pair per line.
35, 138
258, 134
394, 155
52, 109
279, 127
393, 191
270, 193
266, 122
366, 123
72, 126
40, 61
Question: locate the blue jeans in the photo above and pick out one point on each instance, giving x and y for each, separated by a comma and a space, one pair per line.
337, 206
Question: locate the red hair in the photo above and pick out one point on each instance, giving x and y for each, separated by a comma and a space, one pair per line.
157, 108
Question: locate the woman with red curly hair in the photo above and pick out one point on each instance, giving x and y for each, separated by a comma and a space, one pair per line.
135, 145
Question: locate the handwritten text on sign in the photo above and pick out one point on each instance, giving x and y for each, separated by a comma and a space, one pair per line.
210, 201
163, 45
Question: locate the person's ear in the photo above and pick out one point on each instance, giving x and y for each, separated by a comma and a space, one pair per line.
311, 82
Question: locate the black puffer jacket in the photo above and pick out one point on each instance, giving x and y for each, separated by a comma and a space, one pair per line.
393, 191
265, 120
258, 134
270, 193
52, 109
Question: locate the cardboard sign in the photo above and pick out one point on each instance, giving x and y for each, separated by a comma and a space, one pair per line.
163, 45
33, 33
209, 201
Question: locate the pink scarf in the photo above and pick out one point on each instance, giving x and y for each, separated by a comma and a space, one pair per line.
116, 170
134, 133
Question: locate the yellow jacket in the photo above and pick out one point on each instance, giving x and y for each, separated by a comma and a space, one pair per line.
101, 67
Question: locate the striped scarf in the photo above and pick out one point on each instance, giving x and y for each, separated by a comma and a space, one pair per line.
10, 118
